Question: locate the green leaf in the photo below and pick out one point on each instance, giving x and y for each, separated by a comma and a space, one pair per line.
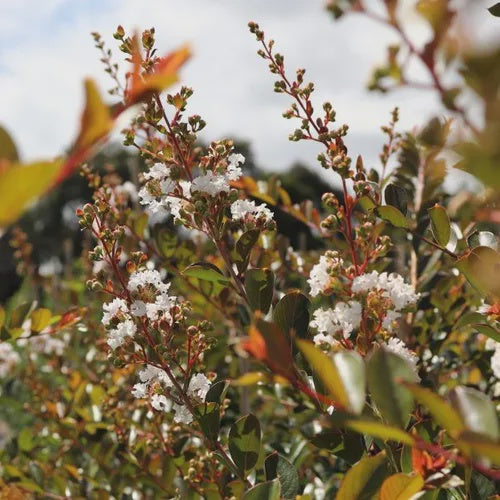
292, 314
269, 490
8, 149
488, 330
494, 10
440, 223
482, 239
279, 467
205, 271
217, 392
234, 489
243, 248
478, 446
25, 439
2, 316
244, 443
380, 431
19, 314
364, 478
469, 319
397, 197
481, 267
327, 440
324, 368
443, 413
386, 371
140, 224
208, 416
351, 368
392, 215
477, 410
401, 486
259, 285
40, 319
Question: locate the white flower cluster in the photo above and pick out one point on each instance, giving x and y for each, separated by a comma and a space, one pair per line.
213, 184
345, 317
119, 318
161, 193
8, 359
397, 346
495, 359
320, 278
247, 210
154, 380
393, 287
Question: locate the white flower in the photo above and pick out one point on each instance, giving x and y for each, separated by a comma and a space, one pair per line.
123, 330
243, 209
138, 308
233, 170
199, 386
393, 286
495, 361
365, 282
397, 346
389, 319
319, 278
140, 391
8, 358
144, 278
111, 309
182, 414
160, 402
490, 344
211, 184
47, 344
152, 374
345, 317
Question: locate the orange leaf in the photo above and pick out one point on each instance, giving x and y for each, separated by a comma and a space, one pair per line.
163, 75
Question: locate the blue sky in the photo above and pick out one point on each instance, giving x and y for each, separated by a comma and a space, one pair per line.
47, 51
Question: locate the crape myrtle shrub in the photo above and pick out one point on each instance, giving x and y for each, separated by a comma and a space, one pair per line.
194, 352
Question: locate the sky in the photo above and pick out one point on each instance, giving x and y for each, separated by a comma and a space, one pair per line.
47, 51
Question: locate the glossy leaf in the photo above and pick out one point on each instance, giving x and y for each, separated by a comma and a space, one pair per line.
292, 313
268, 343
279, 467
401, 486
443, 413
397, 197
494, 10
477, 411
244, 443
205, 271
269, 490
217, 392
440, 224
351, 368
386, 371
243, 248
482, 239
481, 267
259, 285
208, 416
363, 478
19, 314
327, 372
393, 216
380, 431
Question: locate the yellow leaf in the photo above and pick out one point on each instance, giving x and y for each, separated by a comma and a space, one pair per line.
326, 371
96, 120
401, 487
21, 185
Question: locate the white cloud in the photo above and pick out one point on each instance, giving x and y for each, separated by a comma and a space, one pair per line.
48, 51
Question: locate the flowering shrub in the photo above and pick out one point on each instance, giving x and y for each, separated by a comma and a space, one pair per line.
207, 358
